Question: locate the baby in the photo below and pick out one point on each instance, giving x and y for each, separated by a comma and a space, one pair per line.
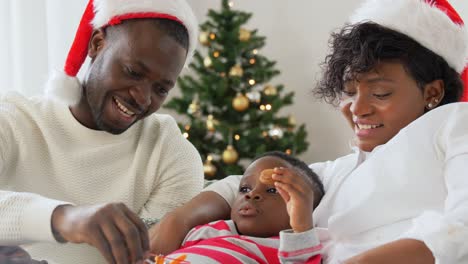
265, 208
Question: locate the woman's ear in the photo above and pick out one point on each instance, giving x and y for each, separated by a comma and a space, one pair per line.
434, 93
96, 43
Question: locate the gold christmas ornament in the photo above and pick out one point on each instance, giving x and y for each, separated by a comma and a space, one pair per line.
212, 36
230, 155
216, 54
204, 38
270, 90
240, 103
244, 34
252, 61
194, 108
292, 121
207, 62
211, 123
208, 168
236, 71
288, 151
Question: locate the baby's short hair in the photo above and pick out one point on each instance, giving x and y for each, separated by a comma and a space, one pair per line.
319, 191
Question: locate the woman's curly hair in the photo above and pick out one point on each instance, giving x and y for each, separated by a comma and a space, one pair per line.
358, 48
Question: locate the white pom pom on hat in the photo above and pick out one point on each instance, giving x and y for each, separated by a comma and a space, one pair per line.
65, 86
435, 24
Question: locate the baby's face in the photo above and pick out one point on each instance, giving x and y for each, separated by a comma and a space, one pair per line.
259, 210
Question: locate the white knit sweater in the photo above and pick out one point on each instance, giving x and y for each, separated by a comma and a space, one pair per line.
48, 158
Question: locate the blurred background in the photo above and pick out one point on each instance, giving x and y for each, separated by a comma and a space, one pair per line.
36, 36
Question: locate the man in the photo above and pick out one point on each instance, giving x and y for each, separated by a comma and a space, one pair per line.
83, 165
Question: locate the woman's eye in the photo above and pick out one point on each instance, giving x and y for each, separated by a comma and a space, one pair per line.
272, 190
347, 93
244, 189
382, 96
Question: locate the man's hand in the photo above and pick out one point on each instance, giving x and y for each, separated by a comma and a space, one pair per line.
118, 233
298, 193
16, 255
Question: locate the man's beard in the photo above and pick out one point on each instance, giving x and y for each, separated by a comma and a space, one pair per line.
97, 113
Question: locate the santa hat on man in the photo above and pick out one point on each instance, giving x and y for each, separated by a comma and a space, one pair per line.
432, 23
65, 86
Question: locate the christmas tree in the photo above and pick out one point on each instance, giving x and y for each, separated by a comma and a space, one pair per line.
232, 107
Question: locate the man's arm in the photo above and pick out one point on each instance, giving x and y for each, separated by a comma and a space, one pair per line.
404, 251
168, 235
178, 174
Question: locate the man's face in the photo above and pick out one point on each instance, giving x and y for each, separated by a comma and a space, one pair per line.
380, 103
134, 66
259, 209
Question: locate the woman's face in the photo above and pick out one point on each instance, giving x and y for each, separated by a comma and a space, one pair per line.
380, 103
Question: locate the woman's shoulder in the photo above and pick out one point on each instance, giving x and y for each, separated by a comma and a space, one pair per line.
327, 170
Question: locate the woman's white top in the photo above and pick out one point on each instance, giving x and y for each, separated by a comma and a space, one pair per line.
414, 186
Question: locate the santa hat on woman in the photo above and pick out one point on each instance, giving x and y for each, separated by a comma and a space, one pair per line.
65, 86
432, 23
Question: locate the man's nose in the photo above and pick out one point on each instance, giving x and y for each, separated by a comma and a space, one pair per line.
142, 95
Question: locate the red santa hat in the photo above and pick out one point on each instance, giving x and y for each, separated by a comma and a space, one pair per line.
433, 23
65, 86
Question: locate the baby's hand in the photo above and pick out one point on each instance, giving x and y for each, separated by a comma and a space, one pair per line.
297, 191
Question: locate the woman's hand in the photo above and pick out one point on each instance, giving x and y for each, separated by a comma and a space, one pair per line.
297, 192
113, 229
404, 251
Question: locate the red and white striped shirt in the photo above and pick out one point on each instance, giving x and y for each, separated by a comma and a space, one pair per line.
219, 242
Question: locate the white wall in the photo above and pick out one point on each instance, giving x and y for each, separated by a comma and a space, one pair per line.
297, 33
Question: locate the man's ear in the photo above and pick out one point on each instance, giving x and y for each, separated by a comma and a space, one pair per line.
434, 93
98, 39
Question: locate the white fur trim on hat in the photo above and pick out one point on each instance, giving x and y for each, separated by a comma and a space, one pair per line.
421, 21
107, 9
63, 88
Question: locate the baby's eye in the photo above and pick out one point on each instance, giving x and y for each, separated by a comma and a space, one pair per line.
272, 190
244, 189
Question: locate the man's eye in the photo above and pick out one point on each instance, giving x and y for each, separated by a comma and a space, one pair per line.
272, 190
162, 91
133, 74
244, 189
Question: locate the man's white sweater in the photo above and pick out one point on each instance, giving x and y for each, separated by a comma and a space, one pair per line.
47, 158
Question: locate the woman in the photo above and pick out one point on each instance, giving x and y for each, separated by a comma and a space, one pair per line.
402, 196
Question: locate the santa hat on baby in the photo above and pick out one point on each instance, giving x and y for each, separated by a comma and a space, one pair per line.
432, 23
65, 86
